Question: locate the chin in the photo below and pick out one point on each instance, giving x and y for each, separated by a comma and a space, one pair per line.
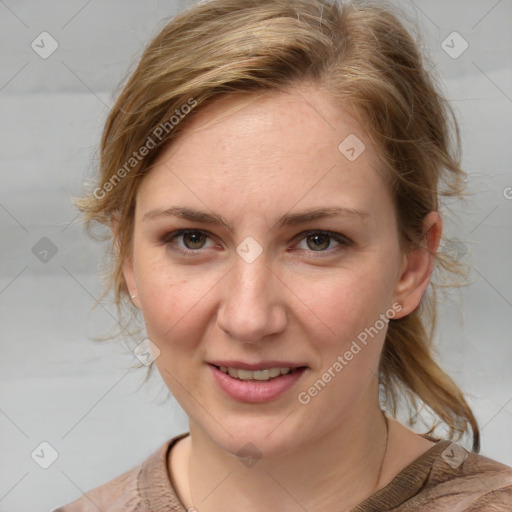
254, 442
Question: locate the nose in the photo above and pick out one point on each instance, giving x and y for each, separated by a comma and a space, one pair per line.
253, 302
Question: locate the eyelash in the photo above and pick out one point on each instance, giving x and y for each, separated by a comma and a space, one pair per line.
169, 238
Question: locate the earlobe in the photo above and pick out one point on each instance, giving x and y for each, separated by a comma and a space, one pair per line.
129, 278
127, 265
418, 266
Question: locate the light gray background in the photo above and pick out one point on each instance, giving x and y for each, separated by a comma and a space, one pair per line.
80, 396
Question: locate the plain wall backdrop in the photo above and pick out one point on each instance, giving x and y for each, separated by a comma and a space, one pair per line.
59, 387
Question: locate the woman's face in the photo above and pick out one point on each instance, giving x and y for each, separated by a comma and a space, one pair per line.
271, 288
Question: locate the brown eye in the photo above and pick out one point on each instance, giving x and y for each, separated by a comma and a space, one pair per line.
194, 240
187, 241
322, 242
318, 241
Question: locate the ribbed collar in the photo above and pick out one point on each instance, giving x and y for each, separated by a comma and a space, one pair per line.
158, 495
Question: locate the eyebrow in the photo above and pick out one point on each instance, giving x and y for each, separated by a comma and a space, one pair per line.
289, 219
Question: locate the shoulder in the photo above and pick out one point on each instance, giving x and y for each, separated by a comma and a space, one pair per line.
465, 481
446, 478
121, 493
127, 491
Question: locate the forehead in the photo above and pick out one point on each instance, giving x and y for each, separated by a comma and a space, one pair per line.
268, 150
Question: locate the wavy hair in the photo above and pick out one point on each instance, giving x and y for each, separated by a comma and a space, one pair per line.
363, 56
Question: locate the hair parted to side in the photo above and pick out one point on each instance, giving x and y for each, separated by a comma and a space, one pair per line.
363, 57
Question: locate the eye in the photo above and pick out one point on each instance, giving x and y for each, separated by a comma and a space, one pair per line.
192, 240
320, 241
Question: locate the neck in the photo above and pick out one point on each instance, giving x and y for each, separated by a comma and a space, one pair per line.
351, 455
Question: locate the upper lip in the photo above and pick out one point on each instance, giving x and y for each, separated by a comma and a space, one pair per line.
262, 365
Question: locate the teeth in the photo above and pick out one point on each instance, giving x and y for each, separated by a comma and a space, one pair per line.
243, 374
274, 372
266, 374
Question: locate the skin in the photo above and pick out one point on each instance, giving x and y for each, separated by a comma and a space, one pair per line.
252, 159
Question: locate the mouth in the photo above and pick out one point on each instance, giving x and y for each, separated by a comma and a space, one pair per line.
263, 384
264, 374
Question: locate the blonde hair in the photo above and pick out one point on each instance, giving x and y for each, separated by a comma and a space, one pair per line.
367, 61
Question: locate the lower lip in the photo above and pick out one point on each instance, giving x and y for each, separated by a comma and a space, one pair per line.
253, 391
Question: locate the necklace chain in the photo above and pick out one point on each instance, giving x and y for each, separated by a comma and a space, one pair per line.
384, 455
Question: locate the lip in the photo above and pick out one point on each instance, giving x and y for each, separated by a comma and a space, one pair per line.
252, 391
262, 365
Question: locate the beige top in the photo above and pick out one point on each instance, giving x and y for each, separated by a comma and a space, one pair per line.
445, 478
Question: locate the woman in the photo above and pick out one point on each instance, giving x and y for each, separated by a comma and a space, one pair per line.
271, 174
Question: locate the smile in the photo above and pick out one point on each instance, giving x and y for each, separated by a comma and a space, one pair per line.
265, 374
255, 386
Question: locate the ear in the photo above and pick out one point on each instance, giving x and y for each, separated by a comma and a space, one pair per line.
127, 266
418, 265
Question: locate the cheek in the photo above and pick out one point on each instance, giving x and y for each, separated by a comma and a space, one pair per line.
173, 303
176, 316
349, 351
347, 302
